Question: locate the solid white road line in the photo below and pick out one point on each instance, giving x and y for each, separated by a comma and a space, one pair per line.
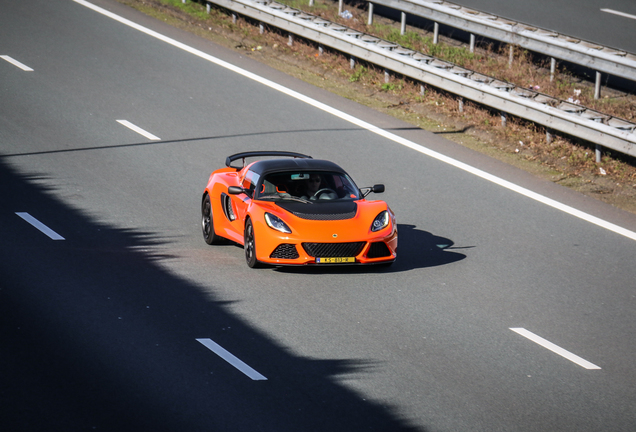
16, 63
231, 359
39, 225
554, 348
371, 128
139, 130
623, 14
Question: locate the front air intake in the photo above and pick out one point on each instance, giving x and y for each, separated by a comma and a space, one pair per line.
335, 250
285, 251
378, 250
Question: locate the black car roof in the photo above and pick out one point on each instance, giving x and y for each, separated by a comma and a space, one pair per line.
274, 165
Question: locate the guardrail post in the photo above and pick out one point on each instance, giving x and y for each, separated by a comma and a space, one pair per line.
290, 42
548, 136
387, 77
261, 28
352, 62
436, 33
504, 119
370, 20
311, 2
403, 24
422, 89
597, 86
472, 43
511, 55
461, 105
207, 7
339, 7
552, 68
598, 148
234, 18
320, 50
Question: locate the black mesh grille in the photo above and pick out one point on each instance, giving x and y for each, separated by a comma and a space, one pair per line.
285, 251
325, 217
334, 250
378, 250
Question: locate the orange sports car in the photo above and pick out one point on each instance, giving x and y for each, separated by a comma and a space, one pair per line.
291, 209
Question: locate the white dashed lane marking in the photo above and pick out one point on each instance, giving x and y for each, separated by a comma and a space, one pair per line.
623, 14
554, 348
40, 226
16, 63
231, 359
139, 130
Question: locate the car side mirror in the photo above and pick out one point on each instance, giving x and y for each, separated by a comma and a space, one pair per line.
235, 190
379, 188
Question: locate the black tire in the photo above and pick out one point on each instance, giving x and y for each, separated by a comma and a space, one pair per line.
249, 244
207, 223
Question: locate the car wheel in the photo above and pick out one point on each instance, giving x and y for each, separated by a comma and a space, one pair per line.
207, 223
250, 245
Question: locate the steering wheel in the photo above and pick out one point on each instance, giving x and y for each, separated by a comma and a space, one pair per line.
323, 191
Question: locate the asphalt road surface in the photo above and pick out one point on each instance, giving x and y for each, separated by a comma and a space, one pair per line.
116, 316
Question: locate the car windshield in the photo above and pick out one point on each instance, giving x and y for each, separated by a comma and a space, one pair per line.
308, 186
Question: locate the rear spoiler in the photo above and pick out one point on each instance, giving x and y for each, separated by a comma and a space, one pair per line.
244, 155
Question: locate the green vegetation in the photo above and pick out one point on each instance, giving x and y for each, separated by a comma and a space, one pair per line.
360, 72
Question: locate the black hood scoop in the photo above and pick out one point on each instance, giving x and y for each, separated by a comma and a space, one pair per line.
321, 209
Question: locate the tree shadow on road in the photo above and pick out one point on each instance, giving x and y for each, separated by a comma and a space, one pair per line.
96, 335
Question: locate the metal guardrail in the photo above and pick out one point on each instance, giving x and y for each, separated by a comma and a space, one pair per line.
554, 114
602, 59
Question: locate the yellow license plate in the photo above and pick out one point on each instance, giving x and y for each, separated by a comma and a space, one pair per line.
335, 260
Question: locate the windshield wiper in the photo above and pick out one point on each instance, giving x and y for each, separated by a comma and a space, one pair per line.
285, 197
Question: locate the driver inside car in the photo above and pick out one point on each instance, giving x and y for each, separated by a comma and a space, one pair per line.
312, 186
316, 188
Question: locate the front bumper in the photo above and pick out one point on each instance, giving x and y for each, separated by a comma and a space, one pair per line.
375, 250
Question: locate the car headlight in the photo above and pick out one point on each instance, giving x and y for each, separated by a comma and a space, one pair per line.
380, 221
276, 223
